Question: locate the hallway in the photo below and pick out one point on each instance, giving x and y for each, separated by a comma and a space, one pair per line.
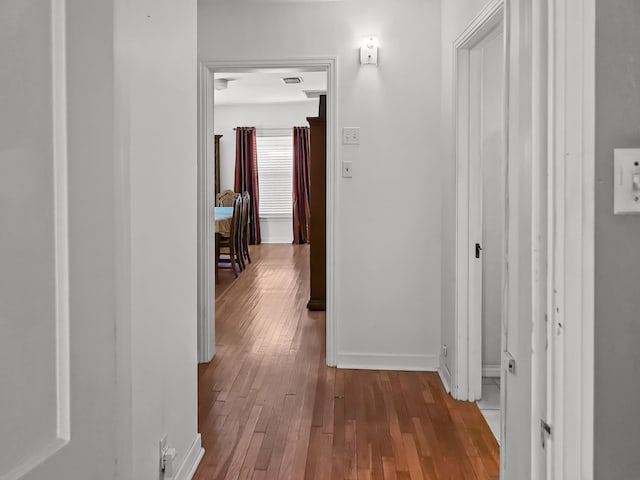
269, 407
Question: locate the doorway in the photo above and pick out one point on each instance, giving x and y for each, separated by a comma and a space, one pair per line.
487, 211
481, 214
206, 200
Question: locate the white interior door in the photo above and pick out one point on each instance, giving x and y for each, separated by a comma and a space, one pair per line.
57, 407
33, 279
486, 205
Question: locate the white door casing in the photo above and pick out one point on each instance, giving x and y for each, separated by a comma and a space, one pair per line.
571, 226
541, 361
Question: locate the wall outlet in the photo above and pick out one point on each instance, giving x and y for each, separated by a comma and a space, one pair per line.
167, 455
164, 445
444, 351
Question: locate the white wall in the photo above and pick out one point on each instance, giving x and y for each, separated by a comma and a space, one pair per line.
162, 162
617, 264
388, 305
262, 115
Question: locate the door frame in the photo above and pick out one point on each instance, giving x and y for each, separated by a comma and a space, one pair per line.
541, 361
467, 367
206, 268
571, 237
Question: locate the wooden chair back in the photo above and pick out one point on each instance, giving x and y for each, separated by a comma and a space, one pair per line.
226, 198
246, 207
231, 243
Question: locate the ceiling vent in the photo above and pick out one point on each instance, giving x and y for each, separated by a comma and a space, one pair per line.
221, 83
314, 93
291, 80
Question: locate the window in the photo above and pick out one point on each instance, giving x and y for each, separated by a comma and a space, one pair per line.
275, 171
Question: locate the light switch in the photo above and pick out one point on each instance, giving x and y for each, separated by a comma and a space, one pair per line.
346, 169
626, 178
351, 136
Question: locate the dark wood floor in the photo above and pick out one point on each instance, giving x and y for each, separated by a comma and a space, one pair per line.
269, 407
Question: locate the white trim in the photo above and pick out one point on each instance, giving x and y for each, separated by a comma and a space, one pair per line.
571, 276
206, 299
206, 232
445, 377
122, 256
467, 363
389, 361
61, 222
540, 213
192, 459
276, 241
492, 371
32, 460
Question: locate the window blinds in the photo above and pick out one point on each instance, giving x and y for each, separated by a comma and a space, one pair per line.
275, 171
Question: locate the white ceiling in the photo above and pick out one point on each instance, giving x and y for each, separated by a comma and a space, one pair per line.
267, 87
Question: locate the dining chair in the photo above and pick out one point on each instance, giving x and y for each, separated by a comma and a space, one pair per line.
229, 245
241, 232
226, 198
246, 208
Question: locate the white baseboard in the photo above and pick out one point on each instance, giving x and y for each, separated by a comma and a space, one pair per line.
445, 377
491, 371
276, 240
191, 460
365, 361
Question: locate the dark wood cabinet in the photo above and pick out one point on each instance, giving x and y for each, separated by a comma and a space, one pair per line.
217, 162
318, 188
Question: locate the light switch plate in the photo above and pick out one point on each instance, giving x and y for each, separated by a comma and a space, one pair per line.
347, 169
626, 191
351, 136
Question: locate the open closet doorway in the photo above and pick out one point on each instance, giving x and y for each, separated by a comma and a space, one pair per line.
272, 125
482, 213
487, 212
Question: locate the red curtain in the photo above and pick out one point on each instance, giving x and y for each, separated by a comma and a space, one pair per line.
246, 177
301, 158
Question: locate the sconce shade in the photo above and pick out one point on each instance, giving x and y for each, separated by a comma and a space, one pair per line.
369, 51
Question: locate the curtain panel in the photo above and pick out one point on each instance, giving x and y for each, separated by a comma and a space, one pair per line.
301, 159
246, 176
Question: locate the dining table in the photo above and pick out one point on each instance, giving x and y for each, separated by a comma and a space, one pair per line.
222, 217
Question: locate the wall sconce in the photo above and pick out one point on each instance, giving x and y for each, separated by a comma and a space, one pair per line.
369, 51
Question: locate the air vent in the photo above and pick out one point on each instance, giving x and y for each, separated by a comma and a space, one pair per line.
221, 83
291, 80
314, 93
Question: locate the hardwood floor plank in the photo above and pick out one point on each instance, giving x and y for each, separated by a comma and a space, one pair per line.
350, 455
389, 468
249, 464
242, 446
270, 408
413, 460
